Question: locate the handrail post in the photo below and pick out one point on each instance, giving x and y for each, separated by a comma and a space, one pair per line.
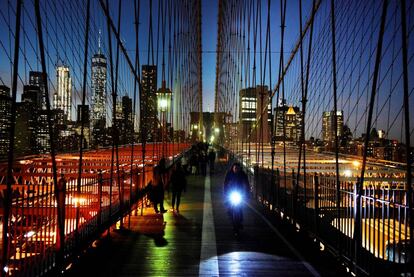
100, 184
277, 188
60, 191
294, 196
121, 198
256, 180
357, 220
316, 201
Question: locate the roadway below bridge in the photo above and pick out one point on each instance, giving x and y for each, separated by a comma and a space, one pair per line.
321, 162
199, 241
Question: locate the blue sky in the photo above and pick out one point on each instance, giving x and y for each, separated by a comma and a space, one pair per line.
28, 60
209, 30
68, 46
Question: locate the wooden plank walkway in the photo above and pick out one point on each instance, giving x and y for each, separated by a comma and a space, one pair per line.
170, 244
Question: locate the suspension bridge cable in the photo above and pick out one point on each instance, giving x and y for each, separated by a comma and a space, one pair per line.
10, 157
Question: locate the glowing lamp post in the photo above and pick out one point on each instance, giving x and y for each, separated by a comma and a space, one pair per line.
164, 96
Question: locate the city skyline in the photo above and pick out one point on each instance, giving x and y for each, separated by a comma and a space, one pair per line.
291, 123
153, 52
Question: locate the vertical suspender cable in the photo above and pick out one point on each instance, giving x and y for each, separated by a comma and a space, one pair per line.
199, 48
7, 202
335, 125
408, 153
374, 88
111, 66
85, 70
159, 140
281, 66
357, 232
115, 139
61, 223
267, 51
301, 141
136, 25
305, 98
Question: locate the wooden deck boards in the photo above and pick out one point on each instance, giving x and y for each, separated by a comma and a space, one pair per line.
170, 244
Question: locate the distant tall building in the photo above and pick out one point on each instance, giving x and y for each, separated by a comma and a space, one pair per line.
127, 120
5, 120
30, 109
262, 132
149, 101
328, 121
36, 79
252, 101
83, 115
291, 117
43, 137
99, 89
42, 130
118, 110
24, 136
33, 95
123, 119
62, 98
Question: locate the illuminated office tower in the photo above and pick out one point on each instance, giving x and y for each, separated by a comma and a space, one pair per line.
62, 98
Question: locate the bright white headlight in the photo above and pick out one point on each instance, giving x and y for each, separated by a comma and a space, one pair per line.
235, 198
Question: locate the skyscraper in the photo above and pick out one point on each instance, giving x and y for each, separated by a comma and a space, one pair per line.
99, 88
5, 120
252, 101
33, 95
83, 115
42, 130
291, 117
328, 121
149, 101
62, 98
127, 118
36, 79
28, 116
24, 137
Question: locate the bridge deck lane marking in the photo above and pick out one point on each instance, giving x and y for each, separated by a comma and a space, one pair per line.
308, 266
208, 256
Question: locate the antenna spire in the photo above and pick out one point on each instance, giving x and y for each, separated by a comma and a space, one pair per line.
99, 42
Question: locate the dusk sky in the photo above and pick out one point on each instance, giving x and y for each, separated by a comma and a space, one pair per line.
209, 37
64, 40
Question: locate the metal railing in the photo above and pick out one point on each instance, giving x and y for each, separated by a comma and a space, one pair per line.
367, 226
34, 244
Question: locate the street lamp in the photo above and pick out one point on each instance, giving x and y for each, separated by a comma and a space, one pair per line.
164, 96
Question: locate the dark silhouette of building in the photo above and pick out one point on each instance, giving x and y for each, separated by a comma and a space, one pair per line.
25, 131
214, 127
36, 79
83, 115
5, 120
28, 115
42, 130
149, 102
127, 120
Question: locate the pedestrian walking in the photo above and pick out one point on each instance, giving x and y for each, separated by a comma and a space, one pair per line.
203, 162
178, 185
193, 163
211, 159
158, 186
184, 163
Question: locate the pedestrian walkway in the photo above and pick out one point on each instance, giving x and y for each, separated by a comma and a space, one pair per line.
197, 242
